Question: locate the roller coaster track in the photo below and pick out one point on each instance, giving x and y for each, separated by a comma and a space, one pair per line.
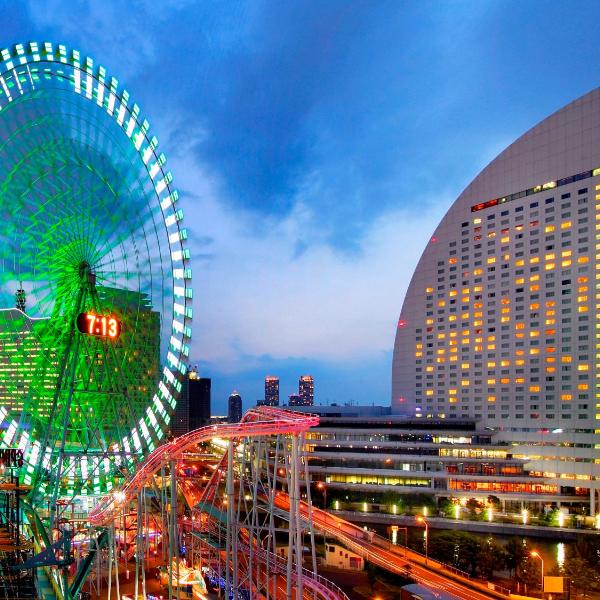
269, 421
261, 421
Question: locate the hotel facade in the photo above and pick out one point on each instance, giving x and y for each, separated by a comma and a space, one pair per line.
501, 321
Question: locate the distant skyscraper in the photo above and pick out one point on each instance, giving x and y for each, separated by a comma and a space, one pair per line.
306, 389
234, 408
193, 406
271, 390
199, 401
295, 400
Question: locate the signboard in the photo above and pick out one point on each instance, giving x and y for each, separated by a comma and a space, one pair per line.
554, 584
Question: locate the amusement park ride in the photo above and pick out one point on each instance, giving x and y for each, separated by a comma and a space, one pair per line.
95, 312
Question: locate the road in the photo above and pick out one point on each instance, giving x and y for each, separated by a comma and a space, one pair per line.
395, 559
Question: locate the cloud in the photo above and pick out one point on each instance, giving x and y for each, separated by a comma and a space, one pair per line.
116, 33
260, 297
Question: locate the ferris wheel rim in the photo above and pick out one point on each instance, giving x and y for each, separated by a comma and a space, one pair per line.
91, 82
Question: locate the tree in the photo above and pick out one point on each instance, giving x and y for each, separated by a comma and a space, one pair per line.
371, 575
581, 574
491, 557
494, 501
457, 548
528, 572
446, 507
515, 553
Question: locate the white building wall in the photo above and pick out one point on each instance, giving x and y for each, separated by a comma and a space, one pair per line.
499, 321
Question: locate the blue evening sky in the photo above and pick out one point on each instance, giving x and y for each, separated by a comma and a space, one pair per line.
316, 145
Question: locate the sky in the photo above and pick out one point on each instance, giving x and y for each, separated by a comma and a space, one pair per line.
316, 145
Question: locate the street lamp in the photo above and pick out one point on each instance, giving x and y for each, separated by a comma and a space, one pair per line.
424, 522
536, 554
321, 486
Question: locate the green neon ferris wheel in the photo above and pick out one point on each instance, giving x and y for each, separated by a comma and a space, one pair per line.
95, 297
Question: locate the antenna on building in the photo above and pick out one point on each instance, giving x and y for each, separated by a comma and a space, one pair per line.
20, 297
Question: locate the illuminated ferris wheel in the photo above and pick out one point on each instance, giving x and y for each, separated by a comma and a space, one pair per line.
95, 297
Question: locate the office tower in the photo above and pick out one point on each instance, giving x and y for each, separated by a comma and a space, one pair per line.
234, 408
193, 406
306, 389
500, 323
199, 403
295, 400
271, 390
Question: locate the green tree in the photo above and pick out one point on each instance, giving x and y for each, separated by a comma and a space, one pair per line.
491, 557
515, 553
457, 548
529, 573
446, 507
581, 574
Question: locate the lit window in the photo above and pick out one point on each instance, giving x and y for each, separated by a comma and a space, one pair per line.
549, 228
583, 367
583, 259
566, 359
565, 224
565, 397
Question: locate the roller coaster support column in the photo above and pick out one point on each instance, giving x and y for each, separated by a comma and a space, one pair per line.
295, 526
231, 540
173, 538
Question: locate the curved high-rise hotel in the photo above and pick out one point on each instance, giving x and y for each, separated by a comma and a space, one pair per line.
501, 321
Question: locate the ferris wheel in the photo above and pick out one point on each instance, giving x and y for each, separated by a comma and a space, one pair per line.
95, 297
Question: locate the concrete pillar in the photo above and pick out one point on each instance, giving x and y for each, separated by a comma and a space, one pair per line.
592, 502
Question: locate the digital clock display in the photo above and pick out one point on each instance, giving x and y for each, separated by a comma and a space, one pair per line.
99, 325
